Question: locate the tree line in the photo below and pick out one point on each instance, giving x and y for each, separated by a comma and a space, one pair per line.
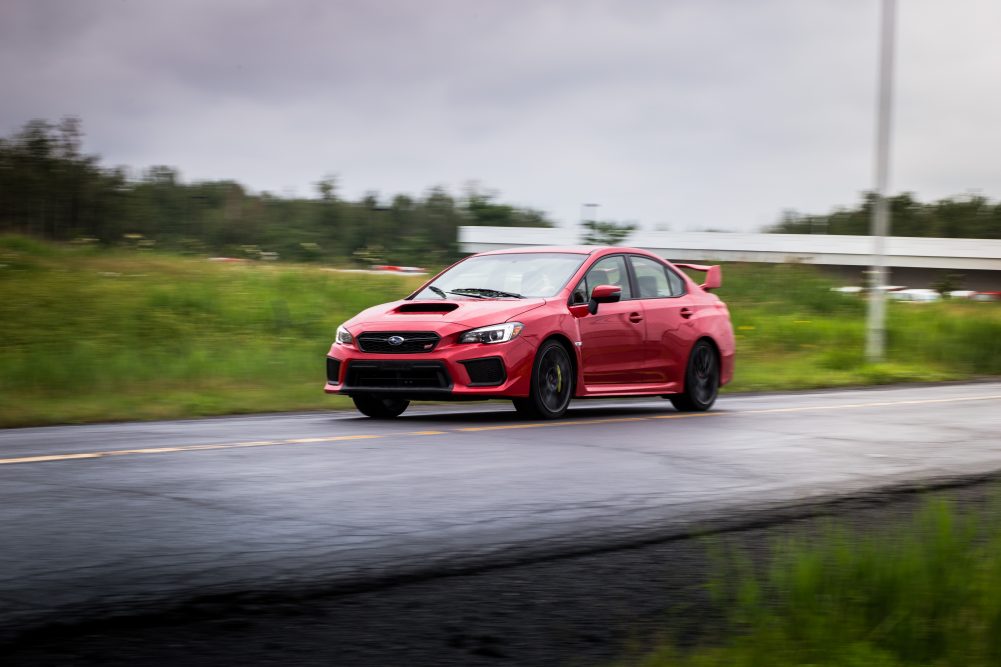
49, 188
971, 216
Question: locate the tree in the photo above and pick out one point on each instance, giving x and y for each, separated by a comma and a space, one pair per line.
483, 210
327, 188
968, 216
50, 188
606, 233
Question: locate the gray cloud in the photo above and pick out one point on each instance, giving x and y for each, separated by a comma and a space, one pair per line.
695, 114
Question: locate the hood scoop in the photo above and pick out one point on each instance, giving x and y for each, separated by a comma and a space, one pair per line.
421, 307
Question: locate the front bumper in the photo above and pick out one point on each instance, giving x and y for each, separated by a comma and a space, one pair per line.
458, 371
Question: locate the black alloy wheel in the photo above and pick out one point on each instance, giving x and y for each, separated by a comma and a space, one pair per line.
552, 383
378, 407
701, 380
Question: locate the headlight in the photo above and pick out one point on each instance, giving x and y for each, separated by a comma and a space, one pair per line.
495, 333
344, 336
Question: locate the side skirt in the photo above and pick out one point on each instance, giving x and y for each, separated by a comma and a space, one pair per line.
612, 390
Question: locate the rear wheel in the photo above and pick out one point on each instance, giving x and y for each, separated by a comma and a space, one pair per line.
701, 380
378, 407
552, 383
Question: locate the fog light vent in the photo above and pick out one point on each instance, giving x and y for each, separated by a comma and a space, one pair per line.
487, 372
333, 370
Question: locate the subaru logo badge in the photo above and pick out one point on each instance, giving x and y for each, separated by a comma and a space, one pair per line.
395, 340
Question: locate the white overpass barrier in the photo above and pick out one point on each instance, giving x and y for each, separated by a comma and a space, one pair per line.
831, 250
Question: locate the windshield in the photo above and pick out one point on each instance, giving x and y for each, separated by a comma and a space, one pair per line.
514, 275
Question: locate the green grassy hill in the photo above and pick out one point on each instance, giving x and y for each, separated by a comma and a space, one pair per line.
92, 335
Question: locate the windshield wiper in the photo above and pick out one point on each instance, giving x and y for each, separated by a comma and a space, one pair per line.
437, 290
484, 292
462, 292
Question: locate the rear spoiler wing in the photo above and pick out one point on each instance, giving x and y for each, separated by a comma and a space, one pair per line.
714, 274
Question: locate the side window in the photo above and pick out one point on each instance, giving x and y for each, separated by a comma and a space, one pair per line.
651, 278
676, 282
607, 271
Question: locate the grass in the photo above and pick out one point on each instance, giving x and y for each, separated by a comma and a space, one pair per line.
794, 333
925, 593
94, 335
88, 335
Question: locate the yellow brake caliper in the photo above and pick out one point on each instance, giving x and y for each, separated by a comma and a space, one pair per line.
559, 378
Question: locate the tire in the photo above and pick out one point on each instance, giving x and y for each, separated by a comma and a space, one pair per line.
377, 407
552, 383
701, 380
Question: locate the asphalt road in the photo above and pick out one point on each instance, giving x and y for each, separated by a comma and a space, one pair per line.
131, 516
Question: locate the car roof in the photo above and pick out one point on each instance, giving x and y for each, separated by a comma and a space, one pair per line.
574, 249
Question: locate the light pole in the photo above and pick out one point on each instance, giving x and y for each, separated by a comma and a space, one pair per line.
875, 338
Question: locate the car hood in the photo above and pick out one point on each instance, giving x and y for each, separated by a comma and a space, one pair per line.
465, 312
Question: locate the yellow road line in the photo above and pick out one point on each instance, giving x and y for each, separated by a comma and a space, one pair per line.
333, 438
475, 429
561, 422
686, 415
54, 457
182, 448
847, 406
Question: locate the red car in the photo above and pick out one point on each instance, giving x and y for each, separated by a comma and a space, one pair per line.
540, 326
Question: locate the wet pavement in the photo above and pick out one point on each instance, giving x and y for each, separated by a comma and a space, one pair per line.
130, 517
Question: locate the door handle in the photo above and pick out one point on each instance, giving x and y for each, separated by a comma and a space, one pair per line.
635, 318
687, 312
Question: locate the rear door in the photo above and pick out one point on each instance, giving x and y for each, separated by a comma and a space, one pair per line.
612, 339
669, 310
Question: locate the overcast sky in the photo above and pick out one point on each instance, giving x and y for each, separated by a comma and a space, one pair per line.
690, 114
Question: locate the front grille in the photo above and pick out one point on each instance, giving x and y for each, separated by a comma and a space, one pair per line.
397, 375
487, 372
333, 370
413, 341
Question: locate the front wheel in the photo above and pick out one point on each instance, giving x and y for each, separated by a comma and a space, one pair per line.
701, 380
552, 383
377, 407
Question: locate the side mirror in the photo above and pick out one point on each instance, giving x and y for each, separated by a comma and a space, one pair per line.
603, 294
